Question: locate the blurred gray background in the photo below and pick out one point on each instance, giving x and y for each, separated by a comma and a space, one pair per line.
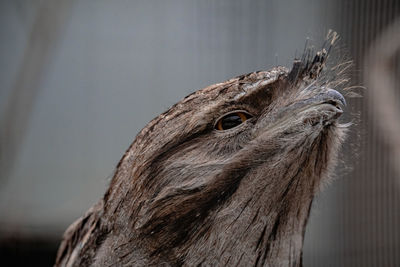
79, 79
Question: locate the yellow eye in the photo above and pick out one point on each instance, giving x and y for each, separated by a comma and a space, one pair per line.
231, 120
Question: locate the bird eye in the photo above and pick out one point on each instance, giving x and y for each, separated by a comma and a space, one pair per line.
231, 120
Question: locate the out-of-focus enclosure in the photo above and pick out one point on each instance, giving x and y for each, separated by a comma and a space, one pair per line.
79, 79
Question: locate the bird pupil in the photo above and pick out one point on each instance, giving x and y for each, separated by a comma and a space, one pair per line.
231, 121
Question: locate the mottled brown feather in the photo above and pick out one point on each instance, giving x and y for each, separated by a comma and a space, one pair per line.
186, 194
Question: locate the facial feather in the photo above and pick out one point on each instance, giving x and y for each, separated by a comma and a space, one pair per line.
186, 193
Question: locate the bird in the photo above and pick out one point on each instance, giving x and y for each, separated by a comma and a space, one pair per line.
225, 177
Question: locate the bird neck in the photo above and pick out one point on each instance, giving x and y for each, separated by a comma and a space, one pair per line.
251, 237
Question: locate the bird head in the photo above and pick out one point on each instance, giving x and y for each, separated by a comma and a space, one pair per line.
228, 174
